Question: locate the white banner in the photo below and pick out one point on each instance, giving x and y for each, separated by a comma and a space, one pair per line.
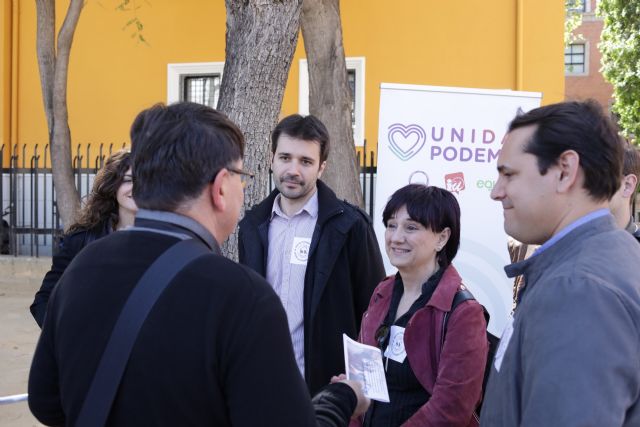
451, 138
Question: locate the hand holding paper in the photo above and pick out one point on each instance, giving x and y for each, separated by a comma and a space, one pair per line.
363, 363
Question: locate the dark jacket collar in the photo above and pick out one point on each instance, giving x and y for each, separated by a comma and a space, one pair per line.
328, 205
537, 264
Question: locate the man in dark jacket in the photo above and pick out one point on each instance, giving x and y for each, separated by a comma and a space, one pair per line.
622, 202
319, 253
214, 349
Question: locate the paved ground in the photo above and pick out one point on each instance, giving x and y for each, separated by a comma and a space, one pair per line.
19, 279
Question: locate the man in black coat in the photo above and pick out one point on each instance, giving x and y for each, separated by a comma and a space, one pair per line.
214, 349
319, 253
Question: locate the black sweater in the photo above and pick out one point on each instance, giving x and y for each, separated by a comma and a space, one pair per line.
69, 247
215, 349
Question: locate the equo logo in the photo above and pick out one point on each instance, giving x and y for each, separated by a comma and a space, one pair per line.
405, 141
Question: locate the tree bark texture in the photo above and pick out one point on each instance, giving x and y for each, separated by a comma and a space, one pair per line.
260, 41
329, 94
53, 79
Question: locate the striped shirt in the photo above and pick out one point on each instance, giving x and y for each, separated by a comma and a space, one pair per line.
289, 243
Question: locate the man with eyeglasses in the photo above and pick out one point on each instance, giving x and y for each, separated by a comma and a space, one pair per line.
245, 177
214, 349
319, 253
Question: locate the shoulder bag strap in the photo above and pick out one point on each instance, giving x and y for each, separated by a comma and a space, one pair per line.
461, 296
106, 380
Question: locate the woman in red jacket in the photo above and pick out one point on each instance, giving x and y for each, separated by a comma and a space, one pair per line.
432, 380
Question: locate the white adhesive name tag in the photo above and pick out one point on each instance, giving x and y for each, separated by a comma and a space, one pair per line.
395, 350
300, 250
504, 343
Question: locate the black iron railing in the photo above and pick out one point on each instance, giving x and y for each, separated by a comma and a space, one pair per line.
30, 221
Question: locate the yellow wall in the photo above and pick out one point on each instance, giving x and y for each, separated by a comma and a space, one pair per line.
111, 76
542, 67
466, 43
5, 76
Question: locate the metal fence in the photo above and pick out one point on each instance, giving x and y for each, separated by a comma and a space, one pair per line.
30, 222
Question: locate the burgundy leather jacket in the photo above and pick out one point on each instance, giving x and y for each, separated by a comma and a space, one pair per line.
452, 373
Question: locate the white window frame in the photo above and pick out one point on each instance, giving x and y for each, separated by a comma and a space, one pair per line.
586, 62
175, 72
353, 63
587, 7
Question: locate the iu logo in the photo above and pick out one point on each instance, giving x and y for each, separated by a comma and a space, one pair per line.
454, 182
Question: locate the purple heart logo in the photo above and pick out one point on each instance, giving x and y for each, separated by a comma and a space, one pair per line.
406, 141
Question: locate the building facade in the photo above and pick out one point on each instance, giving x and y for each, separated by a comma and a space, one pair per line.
583, 79
506, 44
128, 55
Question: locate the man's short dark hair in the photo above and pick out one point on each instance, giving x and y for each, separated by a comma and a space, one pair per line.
177, 150
583, 128
307, 128
433, 207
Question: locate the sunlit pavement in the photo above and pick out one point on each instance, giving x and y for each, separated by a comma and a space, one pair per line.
19, 280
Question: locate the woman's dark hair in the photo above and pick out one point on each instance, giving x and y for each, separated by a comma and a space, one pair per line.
433, 207
102, 203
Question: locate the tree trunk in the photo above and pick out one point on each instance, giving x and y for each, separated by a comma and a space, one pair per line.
329, 95
260, 42
53, 79
45, 42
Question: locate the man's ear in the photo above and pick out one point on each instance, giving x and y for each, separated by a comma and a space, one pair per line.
629, 184
569, 167
321, 169
218, 190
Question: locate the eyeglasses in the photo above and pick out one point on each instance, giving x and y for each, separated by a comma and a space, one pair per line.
245, 177
382, 335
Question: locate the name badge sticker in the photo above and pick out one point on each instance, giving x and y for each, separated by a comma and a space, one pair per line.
395, 350
504, 343
300, 250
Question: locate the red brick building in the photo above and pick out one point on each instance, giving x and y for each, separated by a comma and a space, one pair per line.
583, 79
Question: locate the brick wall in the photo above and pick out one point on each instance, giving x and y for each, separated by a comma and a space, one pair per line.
593, 84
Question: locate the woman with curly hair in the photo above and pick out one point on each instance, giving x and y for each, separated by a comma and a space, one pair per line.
109, 207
